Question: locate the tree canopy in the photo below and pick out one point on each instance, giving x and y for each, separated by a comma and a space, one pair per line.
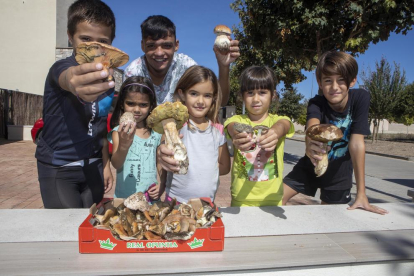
290, 35
386, 86
290, 104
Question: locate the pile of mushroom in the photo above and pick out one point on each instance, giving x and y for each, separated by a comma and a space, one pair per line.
109, 56
168, 118
135, 219
222, 42
324, 133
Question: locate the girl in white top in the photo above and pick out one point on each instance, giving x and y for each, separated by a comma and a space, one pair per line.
202, 135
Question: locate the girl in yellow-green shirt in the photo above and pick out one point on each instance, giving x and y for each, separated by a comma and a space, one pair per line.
257, 171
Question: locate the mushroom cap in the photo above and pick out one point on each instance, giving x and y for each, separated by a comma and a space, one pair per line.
109, 56
240, 127
137, 201
324, 133
222, 29
126, 118
264, 129
176, 111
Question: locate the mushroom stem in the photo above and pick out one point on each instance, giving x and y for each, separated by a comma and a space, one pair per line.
174, 142
259, 133
322, 165
222, 42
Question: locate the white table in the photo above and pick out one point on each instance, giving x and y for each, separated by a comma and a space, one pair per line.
314, 240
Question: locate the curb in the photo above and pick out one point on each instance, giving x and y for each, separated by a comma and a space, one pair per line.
411, 158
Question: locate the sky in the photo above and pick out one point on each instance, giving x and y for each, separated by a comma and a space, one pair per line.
195, 21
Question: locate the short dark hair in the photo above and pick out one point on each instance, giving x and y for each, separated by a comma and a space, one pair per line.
257, 77
157, 27
92, 11
337, 63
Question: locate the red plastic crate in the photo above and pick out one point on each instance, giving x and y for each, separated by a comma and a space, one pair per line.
95, 240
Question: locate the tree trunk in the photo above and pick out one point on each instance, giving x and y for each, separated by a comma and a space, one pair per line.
376, 132
374, 127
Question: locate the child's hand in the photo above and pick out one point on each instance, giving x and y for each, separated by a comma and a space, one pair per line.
268, 141
362, 202
87, 81
243, 141
126, 134
314, 150
234, 53
165, 157
155, 192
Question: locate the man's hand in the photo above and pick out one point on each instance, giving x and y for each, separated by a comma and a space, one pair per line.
126, 134
87, 81
108, 179
362, 202
225, 60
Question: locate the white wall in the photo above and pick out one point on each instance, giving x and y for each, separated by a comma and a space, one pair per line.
28, 41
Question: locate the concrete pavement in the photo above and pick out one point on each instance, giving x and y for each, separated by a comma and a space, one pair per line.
387, 180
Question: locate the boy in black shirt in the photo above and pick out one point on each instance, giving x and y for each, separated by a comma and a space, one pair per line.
347, 109
72, 156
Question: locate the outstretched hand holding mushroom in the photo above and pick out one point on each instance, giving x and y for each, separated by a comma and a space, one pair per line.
323, 133
92, 77
226, 49
167, 119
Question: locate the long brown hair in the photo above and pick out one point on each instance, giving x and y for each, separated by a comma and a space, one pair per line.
197, 74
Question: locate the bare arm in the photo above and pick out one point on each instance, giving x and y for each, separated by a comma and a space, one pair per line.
269, 140
122, 140
357, 151
224, 160
224, 62
108, 178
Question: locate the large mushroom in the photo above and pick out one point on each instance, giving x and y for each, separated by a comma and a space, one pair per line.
109, 56
222, 42
126, 118
168, 118
323, 133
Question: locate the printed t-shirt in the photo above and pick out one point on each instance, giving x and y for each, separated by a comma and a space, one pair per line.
256, 176
202, 178
165, 91
72, 130
353, 120
140, 167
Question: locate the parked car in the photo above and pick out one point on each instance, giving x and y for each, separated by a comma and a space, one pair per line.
38, 127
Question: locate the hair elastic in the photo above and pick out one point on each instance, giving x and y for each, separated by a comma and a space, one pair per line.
139, 84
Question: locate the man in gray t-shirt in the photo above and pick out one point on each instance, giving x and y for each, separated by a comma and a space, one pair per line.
164, 67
